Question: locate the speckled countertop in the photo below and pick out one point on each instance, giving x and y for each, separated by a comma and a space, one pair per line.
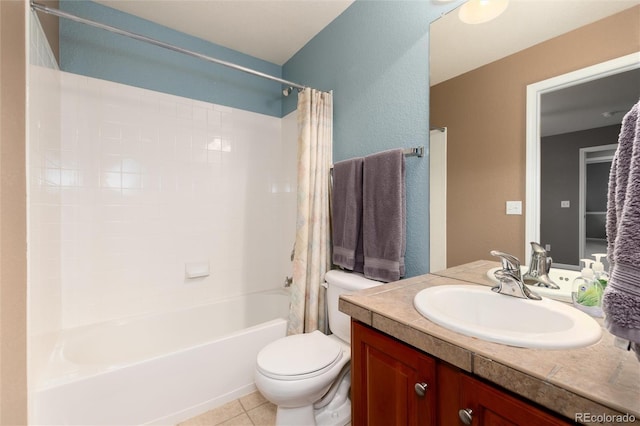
599, 379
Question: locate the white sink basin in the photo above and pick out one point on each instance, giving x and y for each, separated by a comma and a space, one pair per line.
562, 277
477, 311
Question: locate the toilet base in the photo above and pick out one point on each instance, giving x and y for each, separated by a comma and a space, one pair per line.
334, 416
337, 412
331, 415
295, 416
334, 409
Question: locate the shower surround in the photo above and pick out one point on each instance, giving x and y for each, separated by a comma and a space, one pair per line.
127, 186
143, 183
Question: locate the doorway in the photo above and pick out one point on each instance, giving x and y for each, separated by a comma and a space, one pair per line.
595, 165
627, 65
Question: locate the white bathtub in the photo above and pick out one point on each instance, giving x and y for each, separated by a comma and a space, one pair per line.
158, 369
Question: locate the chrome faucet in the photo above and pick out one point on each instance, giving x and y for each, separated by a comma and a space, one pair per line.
510, 280
538, 273
509, 263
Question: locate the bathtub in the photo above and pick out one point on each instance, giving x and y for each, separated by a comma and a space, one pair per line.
161, 368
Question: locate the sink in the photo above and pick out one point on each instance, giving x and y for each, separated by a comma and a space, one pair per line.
562, 277
476, 311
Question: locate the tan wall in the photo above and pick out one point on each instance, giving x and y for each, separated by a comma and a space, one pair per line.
484, 112
13, 234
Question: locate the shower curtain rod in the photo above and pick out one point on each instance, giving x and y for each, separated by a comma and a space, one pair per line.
59, 13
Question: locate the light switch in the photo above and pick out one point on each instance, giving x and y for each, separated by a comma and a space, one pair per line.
565, 204
514, 207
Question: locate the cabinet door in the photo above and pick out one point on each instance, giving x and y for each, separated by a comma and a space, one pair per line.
494, 407
448, 380
384, 375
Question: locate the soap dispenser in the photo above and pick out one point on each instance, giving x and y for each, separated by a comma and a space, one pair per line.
598, 270
586, 291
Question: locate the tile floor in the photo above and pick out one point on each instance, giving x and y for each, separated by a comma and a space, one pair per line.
252, 409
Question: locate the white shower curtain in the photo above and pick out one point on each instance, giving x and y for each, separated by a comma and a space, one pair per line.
312, 247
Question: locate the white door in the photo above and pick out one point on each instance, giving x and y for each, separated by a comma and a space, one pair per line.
438, 199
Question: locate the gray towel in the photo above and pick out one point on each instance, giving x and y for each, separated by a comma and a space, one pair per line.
347, 215
384, 215
621, 301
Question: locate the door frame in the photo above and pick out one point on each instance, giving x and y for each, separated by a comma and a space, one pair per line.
437, 199
582, 191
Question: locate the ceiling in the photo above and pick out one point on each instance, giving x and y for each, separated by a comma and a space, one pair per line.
274, 30
589, 105
456, 48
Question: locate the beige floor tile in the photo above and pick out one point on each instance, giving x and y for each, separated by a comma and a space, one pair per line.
216, 416
252, 400
241, 420
263, 415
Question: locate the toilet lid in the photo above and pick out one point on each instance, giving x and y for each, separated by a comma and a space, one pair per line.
299, 356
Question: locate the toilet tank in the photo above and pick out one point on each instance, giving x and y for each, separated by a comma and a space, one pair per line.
341, 282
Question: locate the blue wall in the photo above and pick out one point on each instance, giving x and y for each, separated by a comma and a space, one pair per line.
375, 56
97, 53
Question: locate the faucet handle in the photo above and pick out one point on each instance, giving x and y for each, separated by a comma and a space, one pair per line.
509, 262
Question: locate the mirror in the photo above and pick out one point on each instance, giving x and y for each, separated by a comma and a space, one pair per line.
573, 122
484, 108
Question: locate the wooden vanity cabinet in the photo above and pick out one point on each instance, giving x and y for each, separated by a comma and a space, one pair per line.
387, 381
385, 373
492, 406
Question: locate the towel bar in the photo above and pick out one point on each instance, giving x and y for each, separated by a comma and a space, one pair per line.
414, 152
417, 151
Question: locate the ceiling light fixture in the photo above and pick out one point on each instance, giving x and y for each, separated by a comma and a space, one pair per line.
480, 11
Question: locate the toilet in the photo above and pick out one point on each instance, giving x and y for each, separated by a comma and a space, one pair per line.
307, 376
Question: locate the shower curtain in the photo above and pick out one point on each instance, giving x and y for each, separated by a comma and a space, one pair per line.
312, 247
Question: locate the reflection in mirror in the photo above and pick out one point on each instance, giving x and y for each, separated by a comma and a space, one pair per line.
482, 103
579, 127
573, 123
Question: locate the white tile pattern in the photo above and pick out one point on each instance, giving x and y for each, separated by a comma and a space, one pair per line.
40, 52
127, 185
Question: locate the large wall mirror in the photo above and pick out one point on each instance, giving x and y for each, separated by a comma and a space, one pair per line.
573, 122
479, 79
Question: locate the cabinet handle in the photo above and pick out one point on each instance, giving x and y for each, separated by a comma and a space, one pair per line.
466, 415
421, 388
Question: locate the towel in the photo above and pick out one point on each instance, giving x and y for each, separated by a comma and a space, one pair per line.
384, 215
621, 300
347, 215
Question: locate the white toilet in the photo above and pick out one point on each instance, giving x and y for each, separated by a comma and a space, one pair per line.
308, 375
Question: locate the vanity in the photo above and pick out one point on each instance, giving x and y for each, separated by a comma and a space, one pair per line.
409, 370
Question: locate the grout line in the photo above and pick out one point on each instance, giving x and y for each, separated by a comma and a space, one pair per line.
244, 412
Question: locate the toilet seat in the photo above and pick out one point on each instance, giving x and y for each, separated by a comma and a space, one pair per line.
300, 356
